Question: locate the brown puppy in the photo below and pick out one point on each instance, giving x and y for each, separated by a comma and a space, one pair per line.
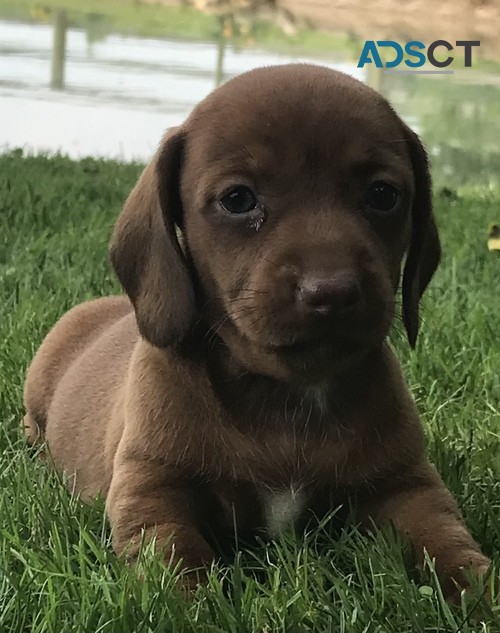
251, 380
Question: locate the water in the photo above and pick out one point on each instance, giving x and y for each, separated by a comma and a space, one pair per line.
122, 93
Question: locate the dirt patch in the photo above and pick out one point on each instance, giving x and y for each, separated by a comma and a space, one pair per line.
426, 20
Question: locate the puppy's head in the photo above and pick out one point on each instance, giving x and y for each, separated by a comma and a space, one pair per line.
298, 191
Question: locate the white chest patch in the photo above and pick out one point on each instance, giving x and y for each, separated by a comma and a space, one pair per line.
319, 395
282, 509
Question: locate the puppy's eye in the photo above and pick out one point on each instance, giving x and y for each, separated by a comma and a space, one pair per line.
382, 196
239, 200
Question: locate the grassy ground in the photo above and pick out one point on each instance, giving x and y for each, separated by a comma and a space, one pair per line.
151, 20
57, 571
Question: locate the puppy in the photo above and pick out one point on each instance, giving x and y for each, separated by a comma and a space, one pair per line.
246, 380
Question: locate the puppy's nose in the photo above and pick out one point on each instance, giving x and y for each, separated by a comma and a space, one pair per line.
337, 294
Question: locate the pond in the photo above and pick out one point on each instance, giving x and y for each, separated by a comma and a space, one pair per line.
121, 93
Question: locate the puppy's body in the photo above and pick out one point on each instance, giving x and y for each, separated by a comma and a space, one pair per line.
68, 387
265, 452
250, 383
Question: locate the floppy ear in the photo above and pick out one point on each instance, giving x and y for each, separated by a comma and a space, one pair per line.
424, 251
146, 254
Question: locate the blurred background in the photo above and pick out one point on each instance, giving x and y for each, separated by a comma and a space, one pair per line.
107, 77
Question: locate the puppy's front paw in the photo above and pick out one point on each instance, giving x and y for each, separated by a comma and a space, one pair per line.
184, 551
191, 564
469, 575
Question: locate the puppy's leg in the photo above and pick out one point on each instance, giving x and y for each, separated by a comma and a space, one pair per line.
151, 500
424, 511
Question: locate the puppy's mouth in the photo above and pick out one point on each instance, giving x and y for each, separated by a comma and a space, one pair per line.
323, 341
304, 351
301, 343
320, 343
319, 346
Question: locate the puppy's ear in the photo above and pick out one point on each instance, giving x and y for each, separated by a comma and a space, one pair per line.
424, 251
146, 254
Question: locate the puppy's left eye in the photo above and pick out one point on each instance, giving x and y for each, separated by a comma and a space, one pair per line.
239, 200
382, 196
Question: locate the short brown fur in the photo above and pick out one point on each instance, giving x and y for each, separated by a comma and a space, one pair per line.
217, 383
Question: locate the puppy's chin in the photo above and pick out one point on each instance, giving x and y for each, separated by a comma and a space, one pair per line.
307, 361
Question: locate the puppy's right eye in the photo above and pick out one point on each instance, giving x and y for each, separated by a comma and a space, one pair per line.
239, 200
382, 196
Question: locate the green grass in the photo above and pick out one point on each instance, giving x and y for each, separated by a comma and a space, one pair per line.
57, 570
122, 16
130, 17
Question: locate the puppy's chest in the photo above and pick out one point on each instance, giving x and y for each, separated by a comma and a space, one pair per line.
255, 509
287, 458
281, 510
274, 472
301, 447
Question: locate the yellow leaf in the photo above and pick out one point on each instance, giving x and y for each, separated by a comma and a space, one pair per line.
494, 238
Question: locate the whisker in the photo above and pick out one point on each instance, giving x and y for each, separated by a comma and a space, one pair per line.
278, 266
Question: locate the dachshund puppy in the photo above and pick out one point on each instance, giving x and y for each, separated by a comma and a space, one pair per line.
246, 380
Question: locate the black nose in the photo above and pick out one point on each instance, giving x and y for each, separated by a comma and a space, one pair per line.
336, 294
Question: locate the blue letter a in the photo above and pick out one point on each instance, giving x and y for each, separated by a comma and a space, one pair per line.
369, 47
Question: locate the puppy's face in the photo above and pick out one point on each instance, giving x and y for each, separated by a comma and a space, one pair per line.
295, 187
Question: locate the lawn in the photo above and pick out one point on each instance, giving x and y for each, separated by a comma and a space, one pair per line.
57, 570
174, 20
